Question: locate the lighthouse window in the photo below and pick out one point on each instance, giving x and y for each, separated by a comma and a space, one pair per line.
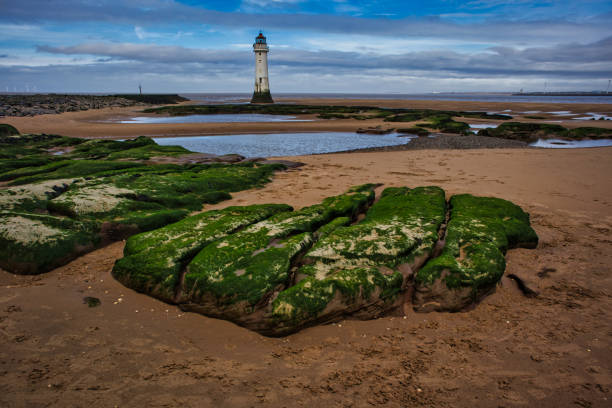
259, 60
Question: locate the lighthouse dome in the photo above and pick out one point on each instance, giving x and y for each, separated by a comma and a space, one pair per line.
260, 39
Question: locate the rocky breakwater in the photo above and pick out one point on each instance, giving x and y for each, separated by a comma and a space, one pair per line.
276, 271
32, 105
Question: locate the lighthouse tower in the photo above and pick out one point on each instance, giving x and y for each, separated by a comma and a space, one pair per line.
262, 86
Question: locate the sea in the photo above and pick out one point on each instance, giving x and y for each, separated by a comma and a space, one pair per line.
451, 96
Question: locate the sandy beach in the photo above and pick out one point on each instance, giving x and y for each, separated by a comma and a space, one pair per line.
549, 350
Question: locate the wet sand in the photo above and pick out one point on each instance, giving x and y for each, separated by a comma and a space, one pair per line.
98, 123
552, 350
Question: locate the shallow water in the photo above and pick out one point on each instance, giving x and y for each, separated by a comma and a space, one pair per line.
563, 113
284, 144
594, 116
216, 118
570, 144
483, 125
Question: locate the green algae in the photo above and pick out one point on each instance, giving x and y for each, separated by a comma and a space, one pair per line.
327, 229
153, 260
244, 269
32, 197
97, 182
312, 300
531, 132
8, 130
64, 169
357, 266
31, 243
141, 148
480, 231
294, 269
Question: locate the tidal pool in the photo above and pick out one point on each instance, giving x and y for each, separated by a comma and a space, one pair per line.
483, 125
570, 144
475, 127
216, 118
284, 144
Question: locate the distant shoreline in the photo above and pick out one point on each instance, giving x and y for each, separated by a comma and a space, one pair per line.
562, 94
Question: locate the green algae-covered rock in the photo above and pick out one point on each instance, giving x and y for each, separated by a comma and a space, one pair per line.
363, 268
277, 271
91, 198
479, 232
118, 201
154, 260
237, 275
31, 244
98, 184
32, 197
8, 130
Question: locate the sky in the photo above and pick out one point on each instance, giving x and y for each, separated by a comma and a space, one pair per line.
316, 46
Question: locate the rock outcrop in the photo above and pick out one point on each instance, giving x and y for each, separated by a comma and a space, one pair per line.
277, 271
99, 191
479, 232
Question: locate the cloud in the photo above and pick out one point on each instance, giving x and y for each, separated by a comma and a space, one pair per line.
570, 60
321, 51
124, 76
274, 3
148, 53
145, 13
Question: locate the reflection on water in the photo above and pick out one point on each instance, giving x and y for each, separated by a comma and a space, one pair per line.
284, 144
216, 118
569, 144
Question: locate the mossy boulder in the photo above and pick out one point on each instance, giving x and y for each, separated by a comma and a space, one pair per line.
362, 268
236, 276
480, 231
8, 130
153, 261
31, 244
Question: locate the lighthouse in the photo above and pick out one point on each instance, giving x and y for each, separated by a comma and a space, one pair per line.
261, 94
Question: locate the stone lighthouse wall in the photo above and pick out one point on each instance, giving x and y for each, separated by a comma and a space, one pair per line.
261, 72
